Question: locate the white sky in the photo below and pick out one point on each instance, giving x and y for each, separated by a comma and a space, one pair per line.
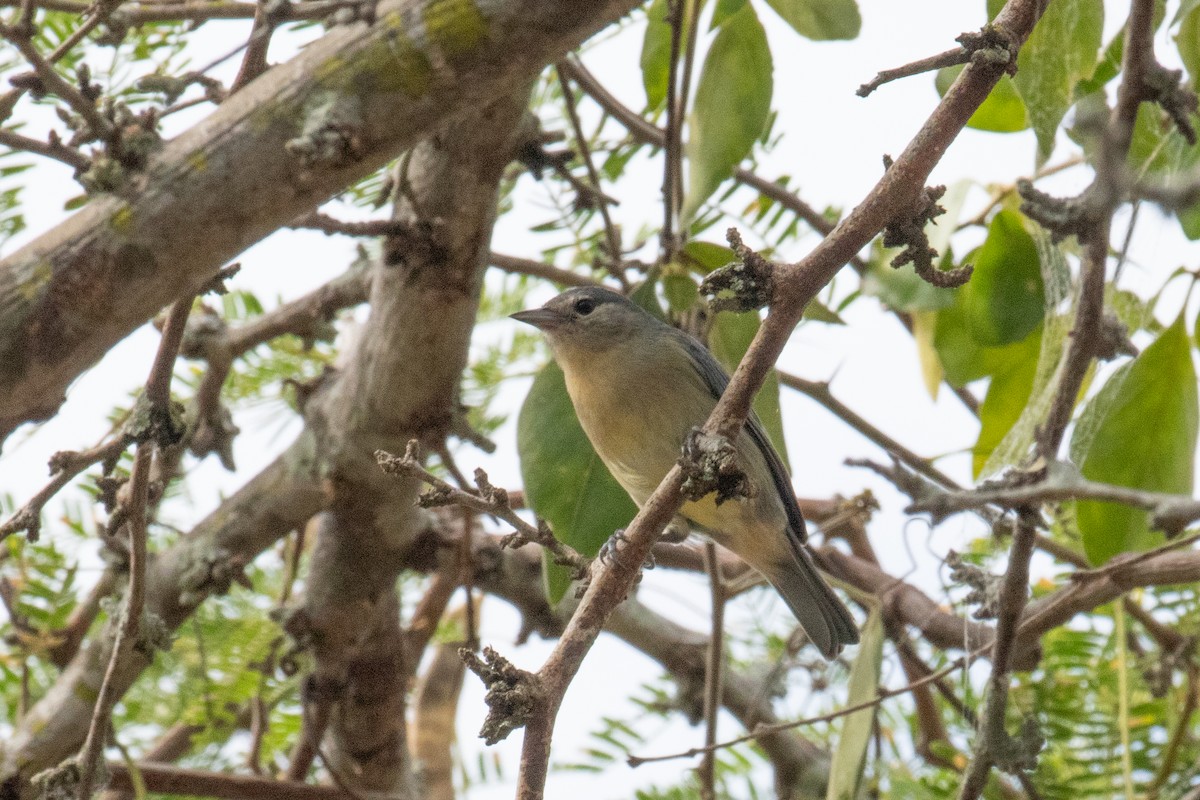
832, 147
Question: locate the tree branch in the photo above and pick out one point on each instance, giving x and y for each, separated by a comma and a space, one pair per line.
796, 286
75, 291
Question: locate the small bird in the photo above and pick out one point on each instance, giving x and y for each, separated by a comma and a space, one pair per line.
639, 386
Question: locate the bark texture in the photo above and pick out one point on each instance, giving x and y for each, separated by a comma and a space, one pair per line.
290, 140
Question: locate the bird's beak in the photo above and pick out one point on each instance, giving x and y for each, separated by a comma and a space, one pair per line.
541, 318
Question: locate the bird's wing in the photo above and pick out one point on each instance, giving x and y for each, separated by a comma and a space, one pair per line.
716, 380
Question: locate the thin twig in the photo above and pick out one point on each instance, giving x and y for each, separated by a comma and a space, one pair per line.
1101, 200
65, 465
158, 394
54, 149
612, 236
712, 673
950, 58
539, 269
819, 391
489, 500
672, 141
58, 85
884, 694
992, 738
1060, 483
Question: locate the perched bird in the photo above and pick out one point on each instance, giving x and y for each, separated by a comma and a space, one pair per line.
639, 386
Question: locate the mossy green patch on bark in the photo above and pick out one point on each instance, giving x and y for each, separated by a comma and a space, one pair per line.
456, 26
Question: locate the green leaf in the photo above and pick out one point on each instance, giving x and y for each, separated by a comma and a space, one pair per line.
733, 101
1007, 395
1004, 298
1002, 112
728, 339
1056, 280
645, 297
1158, 150
707, 256
566, 483
1061, 51
1145, 438
723, 11
681, 291
819, 312
851, 753
1188, 40
820, 20
656, 54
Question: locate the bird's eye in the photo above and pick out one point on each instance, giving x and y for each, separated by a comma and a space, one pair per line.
585, 306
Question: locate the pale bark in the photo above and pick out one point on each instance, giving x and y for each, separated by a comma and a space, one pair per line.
231, 180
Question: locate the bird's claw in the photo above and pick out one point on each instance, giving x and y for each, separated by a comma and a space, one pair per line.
610, 550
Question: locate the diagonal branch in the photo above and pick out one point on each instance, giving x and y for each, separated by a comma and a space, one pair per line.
796, 286
83, 286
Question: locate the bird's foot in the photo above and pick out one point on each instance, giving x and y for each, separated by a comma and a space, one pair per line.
610, 551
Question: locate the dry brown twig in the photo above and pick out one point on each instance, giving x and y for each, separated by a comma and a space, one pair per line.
160, 428
489, 500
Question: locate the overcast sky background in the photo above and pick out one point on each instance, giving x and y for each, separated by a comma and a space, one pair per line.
832, 144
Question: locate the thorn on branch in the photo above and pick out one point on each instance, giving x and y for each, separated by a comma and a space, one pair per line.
1063, 217
985, 587
1019, 754
513, 695
710, 464
216, 284
909, 232
747, 284
1165, 87
1113, 339
150, 422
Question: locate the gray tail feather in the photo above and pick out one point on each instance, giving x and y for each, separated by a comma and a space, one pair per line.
818, 610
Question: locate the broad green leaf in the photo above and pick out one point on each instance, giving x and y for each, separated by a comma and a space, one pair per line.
1061, 51
901, 289
1144, 438
707, 256
723, 11
1188, 40
1109, 65
728, 339
566, 483
656, 54
820, 20
850, 755
1003, 300
1093, 413
733, 101
681, 291
1056, 282
1007, 395
645, 297
1002, 111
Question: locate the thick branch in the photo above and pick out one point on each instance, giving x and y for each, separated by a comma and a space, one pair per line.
69, 296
